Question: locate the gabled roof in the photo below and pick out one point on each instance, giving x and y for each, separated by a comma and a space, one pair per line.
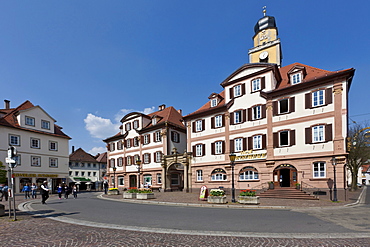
81, 156
10, 120
207, 107
102, 158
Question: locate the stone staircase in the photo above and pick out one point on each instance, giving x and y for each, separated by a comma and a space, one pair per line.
287, 193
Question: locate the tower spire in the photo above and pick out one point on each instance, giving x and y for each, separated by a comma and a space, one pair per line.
264, 10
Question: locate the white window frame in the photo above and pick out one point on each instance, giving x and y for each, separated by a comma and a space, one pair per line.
146, 158
120, 162
199, 125
146, 139
128, 143
129, 160
218, 121
318, 98
296, 78
30, 121
51, 148
257, 112
121, 180
159, 178
238, 145
288, 138
218, 175
199, 150
249, 174
14, 140
319, 170
238, 117
158, 157
135, 124
256, 85
45, 124
128, 126
36, 161
237, 90
53, 162
280, 102
158, 137
35, 143
176, 136
257, 142
199, 175
318, 133
218, 147
214, 102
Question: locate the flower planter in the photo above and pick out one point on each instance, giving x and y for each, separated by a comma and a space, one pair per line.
217, 199
249, 199
129, 195
144, 196
271, 186
113, 192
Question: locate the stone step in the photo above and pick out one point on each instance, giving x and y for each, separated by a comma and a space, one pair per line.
287, 193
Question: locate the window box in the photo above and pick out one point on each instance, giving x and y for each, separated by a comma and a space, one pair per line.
217, 199
128, 195
144, 196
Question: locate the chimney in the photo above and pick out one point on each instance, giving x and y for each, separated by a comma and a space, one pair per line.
179, 111
161, 107
73, 149
7, 104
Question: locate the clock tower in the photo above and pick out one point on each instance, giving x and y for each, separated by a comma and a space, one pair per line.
267, 47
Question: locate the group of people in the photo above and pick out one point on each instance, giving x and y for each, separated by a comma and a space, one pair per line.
30, 190
66, 190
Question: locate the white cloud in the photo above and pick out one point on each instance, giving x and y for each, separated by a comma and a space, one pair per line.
124, 112
96, 150
99, 127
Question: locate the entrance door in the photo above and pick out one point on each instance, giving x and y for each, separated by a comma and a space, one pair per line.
133, 181
285, 176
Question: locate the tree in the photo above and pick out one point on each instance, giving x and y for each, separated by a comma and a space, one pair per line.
2, 173
358, 148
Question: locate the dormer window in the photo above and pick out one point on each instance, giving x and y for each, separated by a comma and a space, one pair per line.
154, 121
214, 102
256, 85
30, 121
237, 90
128, 126
296, 78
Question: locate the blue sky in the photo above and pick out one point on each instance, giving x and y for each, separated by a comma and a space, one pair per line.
88, 63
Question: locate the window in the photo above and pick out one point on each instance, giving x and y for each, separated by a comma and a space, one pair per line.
70, 173
53, 146
94, 174
121, 180
318, 98
82, 164
94, 165
284, 138
175, 179
82, 173
218, 121
35, 161
199, 175
128, 126
218, 175
53, 162
256, 112
219, 147
248, 173
319, 170
256, 85
146, 139
257, 142
318, 133
283, 106
136, 158
158, 157
237, 90
30, 121
89, 174
88, 165
198, 125
237, 117
119, 145
120, 162
157, 136
76, 173
14, 140
112, 146
128, 143
35, 143
112, 163
159, 178
146, 159
175, 136
238, 145
136, 124
296, 78
129, 160
214, 102
199, 150
147, 180
136, 141
45, 124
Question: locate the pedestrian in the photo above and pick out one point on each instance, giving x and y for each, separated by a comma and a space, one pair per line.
66, 191
74, 190
106, 187
44, 192
5, 192
60, 191
33, 190
27, 190
1, 192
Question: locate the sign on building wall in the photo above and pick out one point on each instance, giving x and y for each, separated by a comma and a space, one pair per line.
251, 155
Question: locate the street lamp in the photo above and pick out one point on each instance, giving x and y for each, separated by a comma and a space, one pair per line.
334, 163
232, 157
114, 176
138, 163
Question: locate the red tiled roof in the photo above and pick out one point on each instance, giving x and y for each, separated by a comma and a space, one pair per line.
81, 155
102, 158
207, 106
170, 115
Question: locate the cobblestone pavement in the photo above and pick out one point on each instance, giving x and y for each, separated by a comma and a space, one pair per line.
32, 230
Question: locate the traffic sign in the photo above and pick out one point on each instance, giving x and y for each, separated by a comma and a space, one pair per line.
9, 160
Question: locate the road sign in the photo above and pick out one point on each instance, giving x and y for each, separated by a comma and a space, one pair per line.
9, 160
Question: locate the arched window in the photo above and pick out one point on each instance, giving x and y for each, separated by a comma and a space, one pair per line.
218, 175
248, 173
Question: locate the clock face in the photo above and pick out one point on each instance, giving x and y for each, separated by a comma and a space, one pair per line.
264, 55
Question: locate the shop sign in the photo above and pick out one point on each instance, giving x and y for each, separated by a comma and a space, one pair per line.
33, 175
251, 155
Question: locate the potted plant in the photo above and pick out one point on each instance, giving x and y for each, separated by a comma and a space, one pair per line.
248, 197
130, 193
298, 186
216, 196
144, 194
113, 191
271, 185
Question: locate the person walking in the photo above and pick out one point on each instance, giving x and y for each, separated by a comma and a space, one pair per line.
27, 190
66, 191
44, 192
5, 192
105, 187
60, 191
74, 191
33, 190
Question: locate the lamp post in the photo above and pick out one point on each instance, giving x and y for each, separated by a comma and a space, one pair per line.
232, 157
334, 163
138, 163
114, 176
